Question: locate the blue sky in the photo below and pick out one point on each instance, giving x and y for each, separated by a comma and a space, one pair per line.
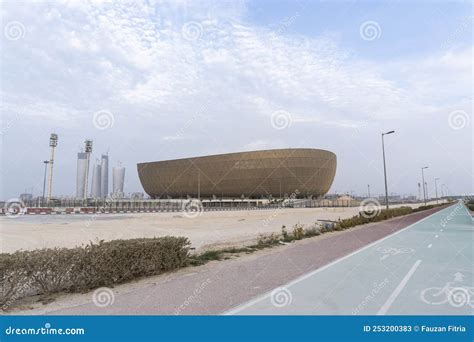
155, 80
409, 28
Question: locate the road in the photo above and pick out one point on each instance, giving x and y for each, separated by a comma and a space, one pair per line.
424, 269
334, 274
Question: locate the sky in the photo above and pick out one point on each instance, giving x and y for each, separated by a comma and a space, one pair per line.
157, 80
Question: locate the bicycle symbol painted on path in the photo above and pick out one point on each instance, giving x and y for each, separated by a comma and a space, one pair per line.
457, 296
391, 251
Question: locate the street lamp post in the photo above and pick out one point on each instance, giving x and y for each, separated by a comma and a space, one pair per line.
423, 180
46, 162
385, 168
436, 189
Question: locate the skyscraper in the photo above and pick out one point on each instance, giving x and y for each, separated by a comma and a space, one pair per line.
96, 181
118, 178
104, 181
81, 174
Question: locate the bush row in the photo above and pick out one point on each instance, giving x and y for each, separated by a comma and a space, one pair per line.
299, 232
52, 270
365, 217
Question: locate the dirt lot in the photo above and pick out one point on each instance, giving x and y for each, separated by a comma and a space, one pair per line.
209, 229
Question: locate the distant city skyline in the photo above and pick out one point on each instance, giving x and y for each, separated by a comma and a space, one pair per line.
150, 81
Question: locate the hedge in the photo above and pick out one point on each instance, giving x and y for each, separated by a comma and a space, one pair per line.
51, 270
384, 214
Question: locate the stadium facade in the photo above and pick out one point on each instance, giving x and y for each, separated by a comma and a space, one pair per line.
299, 172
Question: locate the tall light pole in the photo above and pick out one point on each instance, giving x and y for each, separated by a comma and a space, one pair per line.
46, 162
423, 180
88, 151
385, 168
442, 191
436, 189
53, 142
199, 185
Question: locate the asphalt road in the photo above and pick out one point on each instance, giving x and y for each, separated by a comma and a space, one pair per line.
388, 274
424, 269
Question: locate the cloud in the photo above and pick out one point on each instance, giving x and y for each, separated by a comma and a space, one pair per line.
217, 87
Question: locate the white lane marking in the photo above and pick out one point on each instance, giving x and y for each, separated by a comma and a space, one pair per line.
383, 310
465, 208
258, 299
430, 245
436, 236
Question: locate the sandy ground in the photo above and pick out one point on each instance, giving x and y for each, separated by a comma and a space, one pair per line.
210, 229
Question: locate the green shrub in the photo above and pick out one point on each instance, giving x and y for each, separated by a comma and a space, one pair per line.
47, 271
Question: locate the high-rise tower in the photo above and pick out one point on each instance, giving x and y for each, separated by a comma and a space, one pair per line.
104, 177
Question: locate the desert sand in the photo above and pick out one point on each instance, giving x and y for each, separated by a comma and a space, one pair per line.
208, 229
